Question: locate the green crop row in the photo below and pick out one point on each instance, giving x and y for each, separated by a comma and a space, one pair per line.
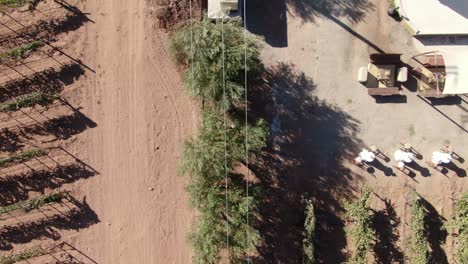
27, 100
22, 157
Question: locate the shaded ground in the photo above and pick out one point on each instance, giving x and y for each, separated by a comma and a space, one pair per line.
293, 167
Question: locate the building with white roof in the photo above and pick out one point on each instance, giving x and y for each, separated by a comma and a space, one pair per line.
435, 17
223, 8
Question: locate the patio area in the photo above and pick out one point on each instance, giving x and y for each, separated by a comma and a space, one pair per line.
323, 117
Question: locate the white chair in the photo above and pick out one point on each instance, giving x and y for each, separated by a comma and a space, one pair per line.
362, 75
402, 74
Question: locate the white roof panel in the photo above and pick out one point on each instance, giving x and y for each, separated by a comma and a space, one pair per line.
456, 68
435, 17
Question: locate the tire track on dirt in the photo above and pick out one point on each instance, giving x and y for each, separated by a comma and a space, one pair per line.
140, 201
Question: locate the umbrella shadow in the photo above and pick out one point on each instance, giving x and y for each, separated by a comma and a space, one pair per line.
388, 171
422, 170
460, 172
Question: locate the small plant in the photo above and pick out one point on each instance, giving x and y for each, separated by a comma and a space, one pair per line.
35, 203
22, 157
27, 100
21, 52
13, 3
22, 256
309, 233
361, 232
460, 223
419, 248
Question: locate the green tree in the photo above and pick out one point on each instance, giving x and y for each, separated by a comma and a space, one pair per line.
204, 48
204, 159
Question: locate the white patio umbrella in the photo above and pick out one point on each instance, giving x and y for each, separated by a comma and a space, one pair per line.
367, 155
440, 157
403, 156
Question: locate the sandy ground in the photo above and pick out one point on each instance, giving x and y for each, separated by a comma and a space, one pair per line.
137, 100
127, 118
315, 50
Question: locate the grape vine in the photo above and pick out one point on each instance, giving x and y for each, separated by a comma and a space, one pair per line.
419, 247
22, 157
309, 233
361, 231
22, 256
27, 100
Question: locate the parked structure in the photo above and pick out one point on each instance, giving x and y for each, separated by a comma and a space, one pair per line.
434, 17
223, 8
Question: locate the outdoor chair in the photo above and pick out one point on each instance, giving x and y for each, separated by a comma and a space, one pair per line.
402, 74
362, 75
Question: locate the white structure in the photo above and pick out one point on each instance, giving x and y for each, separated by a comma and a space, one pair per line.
403, 156
435, 17
222, 8
456, 69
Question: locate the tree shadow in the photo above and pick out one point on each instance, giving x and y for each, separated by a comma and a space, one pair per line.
435, 233
460, 172
10, 141
310, 140
45, 29
308, 10
16, 188
80, 217
62, 127
386, 222
388, 171
268, 19
48, 81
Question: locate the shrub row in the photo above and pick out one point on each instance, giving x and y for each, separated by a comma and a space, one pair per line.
211, 155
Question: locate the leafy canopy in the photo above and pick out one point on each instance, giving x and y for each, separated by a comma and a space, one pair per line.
204, 49
204, 159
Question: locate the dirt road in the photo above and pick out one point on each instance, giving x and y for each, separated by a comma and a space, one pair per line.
137, 100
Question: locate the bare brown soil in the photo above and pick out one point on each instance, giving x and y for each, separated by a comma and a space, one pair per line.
114, 135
